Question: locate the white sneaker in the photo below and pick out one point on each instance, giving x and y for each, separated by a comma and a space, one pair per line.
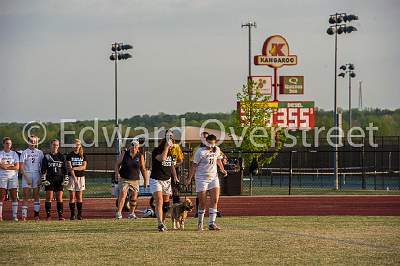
15, 219
200, 227
132, 216
118, 216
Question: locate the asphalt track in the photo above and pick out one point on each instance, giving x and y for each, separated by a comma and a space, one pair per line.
251, 206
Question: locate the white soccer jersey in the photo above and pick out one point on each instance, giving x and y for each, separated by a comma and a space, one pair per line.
32, 160
10, 157
206, 161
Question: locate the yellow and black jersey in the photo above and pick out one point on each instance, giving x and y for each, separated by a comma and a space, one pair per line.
177, 154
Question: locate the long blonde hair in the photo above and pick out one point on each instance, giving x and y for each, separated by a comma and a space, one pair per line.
80, 150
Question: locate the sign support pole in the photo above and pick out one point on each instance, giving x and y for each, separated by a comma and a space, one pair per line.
275, 84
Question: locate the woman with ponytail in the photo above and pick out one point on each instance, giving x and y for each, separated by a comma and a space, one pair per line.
77, 163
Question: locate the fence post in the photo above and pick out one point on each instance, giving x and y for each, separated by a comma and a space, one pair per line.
251, 184
290, 171
375, 168
363, 184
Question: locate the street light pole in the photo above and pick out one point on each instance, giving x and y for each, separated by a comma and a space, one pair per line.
349, 101
116, 88
115, 56
335, 118
338, 21
349, 70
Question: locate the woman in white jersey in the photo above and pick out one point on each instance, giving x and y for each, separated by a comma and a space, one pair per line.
9, 165
205, 166
30, 166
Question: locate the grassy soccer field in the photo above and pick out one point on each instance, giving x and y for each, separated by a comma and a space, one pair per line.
250, 240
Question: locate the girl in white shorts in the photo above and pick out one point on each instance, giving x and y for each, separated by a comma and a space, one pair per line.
205, 166
160, 179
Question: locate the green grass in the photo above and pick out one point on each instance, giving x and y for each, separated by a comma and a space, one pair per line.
243, 241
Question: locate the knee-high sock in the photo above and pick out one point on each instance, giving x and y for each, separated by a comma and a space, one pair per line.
1, 209
60, 207
213, 214
47, 206
72, 208
79, 207
197, 204
175, 199
24, 211
14, 209
36, 207
201, 217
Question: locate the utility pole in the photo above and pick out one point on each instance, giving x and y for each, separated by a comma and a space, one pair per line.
249, 25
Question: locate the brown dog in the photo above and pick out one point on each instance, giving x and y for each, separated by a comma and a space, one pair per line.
179, 213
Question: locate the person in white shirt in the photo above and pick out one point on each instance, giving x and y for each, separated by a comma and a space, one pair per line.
30, 166
205, 166
9, 165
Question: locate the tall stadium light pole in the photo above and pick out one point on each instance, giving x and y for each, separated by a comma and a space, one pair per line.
349, 70
118, 54
338, 25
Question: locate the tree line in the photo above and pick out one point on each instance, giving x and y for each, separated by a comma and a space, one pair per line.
388, 122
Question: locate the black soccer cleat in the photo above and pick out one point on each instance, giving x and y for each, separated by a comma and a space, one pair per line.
213, 227
162, 228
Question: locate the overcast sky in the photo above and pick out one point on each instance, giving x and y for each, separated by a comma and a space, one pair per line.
188, 55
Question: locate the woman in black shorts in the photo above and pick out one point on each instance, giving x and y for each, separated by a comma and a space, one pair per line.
54, 178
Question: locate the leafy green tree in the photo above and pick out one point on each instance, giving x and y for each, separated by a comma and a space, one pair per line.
255, 130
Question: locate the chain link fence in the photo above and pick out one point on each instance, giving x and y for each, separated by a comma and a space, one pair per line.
365, 170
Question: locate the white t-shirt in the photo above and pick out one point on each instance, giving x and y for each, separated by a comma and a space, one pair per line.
206, 161
10, 157
32, 160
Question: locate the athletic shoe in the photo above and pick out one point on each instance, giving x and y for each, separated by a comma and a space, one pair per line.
79, 217
162, 228
132, 216
37, 219
73, 217
1, 219
200, 227
23, 219
60, 218
213, 227
15, 219
118, 216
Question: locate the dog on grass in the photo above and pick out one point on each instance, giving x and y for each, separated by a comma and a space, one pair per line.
179, 213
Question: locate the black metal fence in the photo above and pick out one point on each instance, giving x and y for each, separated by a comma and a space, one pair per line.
311, 172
